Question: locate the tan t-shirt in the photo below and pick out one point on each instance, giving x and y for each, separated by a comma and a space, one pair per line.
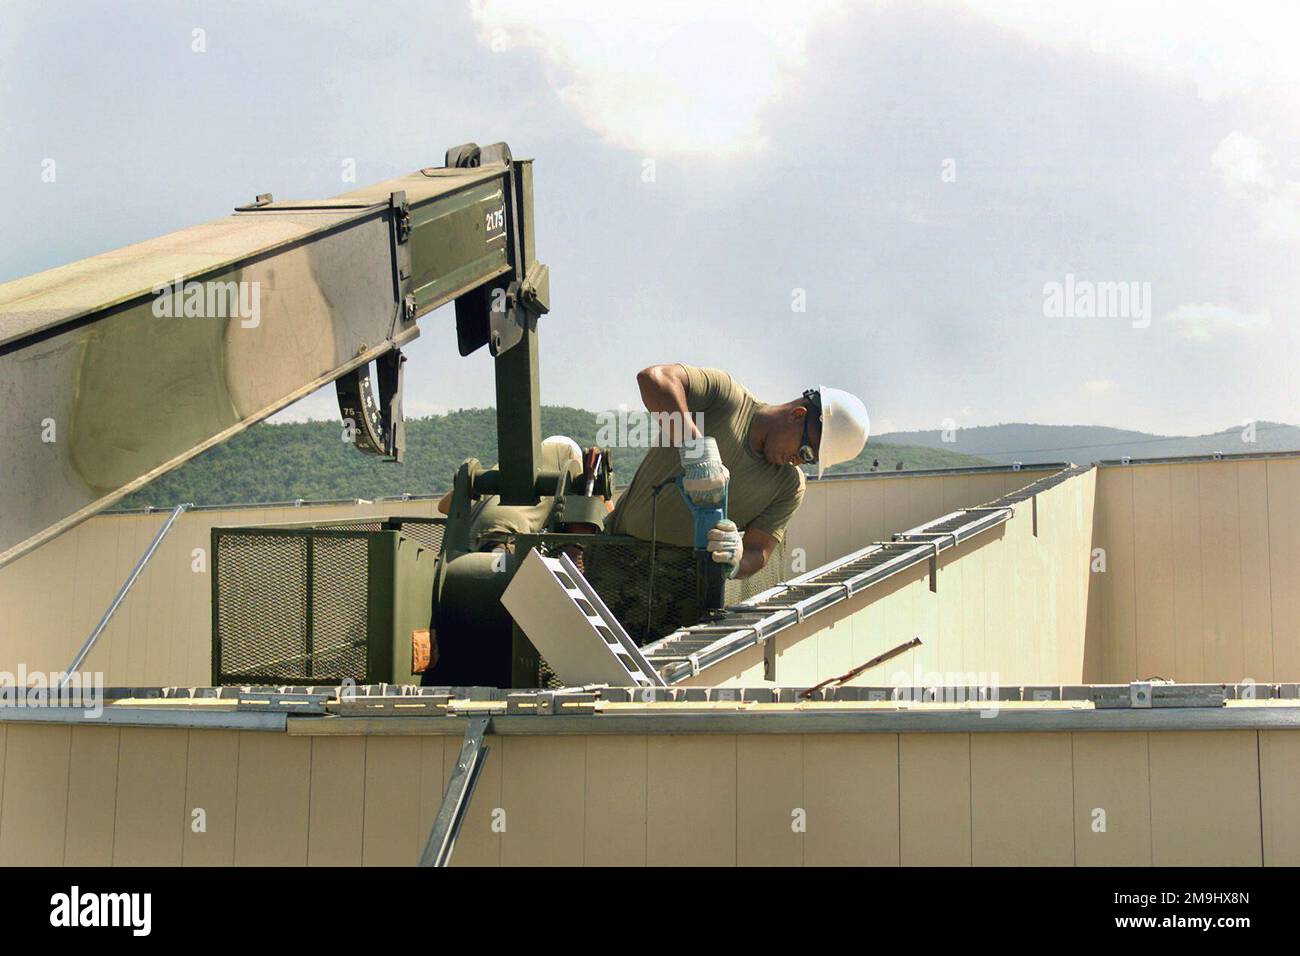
761, 495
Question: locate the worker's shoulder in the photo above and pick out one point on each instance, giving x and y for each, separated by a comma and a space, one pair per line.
715, 383
791, 480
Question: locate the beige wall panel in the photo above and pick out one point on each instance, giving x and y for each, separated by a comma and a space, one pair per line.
926, 502
151, 818
48, 646
999, 634
1279, 787
950, 616
273, 798
973, 625
1119, 644
955, 492
770, 778
33, 814
840, 539
897, 505
98, 539
807, 528
934, 776
691, 801
1021, 800
543, 793
479, 843
867, 512
432, 784
141, 599
796, 655
614, 831
117, 636
740, 670
1205, 807
925, 622
869, 637
1284, 559
169, 569
1189, 637
834, 649
1026, 588
337, 810
194, 627
1009, 605
150, 598
1081, 576
1111, 775
393, 793
1221, 570
991, 486
92, 796
887, 620
1256, 586
1153, 568
211, 784
850, 793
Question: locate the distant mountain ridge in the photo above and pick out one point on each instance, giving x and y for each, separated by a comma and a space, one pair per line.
1020, 441
309, 460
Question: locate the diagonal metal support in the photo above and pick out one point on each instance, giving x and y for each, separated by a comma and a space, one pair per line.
122, 592
460, 789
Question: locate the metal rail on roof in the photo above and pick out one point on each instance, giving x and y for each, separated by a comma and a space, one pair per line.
942, 472
689, 650
1198, 459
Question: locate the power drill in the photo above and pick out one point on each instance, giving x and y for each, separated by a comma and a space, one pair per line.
710, 576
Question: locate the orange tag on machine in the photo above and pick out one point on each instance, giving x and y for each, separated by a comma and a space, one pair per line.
424, 650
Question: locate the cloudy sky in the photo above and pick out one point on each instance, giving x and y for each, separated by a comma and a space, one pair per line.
886, 197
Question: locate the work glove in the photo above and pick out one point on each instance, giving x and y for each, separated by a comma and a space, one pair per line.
704, 477
726, 546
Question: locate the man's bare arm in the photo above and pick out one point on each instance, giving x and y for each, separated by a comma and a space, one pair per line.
663, 389
758, 547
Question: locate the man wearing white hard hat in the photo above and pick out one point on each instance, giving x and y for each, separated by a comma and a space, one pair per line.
754, 447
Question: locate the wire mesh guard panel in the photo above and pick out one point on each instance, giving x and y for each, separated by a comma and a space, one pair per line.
273, 624
339, 608
427, 534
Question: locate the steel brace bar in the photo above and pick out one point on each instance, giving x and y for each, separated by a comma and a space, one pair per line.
460, 790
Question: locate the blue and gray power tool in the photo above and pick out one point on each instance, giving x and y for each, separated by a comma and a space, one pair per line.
706, 511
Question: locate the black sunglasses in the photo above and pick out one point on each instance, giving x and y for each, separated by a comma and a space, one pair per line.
807, 453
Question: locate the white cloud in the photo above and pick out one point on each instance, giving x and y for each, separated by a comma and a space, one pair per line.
667, 77
1248, 169
1223, 49
1243, 161
1099, 385
1203, 322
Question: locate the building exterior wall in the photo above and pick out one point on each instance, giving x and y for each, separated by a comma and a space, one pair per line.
99, 795
1010, 607
1201, 579
162, 634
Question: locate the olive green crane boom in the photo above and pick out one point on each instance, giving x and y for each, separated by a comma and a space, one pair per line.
120, 367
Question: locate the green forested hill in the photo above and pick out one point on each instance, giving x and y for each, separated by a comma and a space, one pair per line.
310, 460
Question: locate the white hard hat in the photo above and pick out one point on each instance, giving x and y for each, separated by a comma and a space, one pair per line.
575, 452
845, 427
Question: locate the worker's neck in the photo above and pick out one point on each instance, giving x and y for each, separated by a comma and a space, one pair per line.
761, 426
